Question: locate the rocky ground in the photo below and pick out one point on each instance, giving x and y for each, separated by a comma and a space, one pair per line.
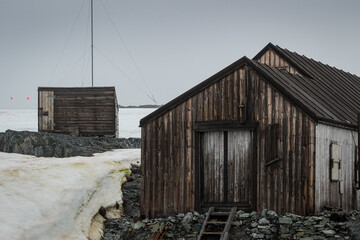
266, 224
43, 144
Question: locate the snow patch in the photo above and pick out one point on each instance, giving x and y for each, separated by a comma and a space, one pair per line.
56, 198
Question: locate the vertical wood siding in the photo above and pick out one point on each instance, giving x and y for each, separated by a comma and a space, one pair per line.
272, 59
239, 167
168, 157
212, 163
340, 193
46, 111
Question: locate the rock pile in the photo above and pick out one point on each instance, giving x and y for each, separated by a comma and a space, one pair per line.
131, 192
266, 224
321, 226
43, 144
130, 226
181, 226
257, 225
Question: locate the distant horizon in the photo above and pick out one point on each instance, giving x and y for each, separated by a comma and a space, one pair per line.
159, 49
144, 106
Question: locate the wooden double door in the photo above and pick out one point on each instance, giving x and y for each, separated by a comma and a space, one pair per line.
227, 169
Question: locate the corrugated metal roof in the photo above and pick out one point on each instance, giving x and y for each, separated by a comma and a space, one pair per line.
336, 91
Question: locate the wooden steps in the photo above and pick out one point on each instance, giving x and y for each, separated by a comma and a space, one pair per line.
215, 219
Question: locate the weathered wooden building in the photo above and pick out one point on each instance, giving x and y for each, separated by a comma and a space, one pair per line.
85, 111
278, 132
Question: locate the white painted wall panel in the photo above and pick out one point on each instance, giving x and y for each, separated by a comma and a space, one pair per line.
335, 193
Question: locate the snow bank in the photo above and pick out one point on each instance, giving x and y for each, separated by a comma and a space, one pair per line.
56, 198
26, 120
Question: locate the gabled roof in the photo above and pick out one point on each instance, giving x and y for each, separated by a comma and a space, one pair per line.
323, 100
193, 91
306, 94
336, 90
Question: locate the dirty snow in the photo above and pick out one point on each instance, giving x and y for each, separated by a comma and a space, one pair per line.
56, 198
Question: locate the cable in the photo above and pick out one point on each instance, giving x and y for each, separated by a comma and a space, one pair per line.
66, 43
126, 76
128, 51
76, 63
86, 67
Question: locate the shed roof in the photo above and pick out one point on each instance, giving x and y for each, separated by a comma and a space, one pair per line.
324, 93
111, 88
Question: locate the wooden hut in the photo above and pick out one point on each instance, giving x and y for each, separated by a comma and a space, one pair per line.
278, 132
85, 111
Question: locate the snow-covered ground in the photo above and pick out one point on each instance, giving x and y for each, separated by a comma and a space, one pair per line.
56, 198
26, 120
129, 120
19, 120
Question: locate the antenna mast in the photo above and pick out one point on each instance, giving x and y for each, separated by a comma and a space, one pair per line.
92, 44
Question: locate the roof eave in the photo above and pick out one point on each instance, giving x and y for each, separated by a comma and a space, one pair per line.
201, 86
262, 51
216, 77
283, 91
336, 123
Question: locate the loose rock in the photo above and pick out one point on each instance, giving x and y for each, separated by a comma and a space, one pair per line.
265, 224
42, 144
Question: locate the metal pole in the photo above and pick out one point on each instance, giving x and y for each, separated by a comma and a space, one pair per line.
92, 44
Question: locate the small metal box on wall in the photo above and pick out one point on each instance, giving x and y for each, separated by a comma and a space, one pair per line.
89, 111
334, 162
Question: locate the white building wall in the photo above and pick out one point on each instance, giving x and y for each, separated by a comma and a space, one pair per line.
335, 193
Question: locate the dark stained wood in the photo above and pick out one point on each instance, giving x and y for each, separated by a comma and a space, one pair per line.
176, 154
210, 107
236, 93
86, 111
177, 173
143, 171
188, 156
172, 170
160, 165
182, 178
154, 172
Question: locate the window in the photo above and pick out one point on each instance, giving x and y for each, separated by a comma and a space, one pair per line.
272, 136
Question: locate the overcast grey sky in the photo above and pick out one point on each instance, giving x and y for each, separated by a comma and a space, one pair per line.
175, 44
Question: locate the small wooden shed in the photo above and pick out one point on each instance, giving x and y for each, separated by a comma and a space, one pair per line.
278, 132
79, 111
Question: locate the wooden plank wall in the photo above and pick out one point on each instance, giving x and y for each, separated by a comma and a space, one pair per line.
272, 59
286, 185
168, 155
86, 111
45, 111
239, 167
213, 165
340, 193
